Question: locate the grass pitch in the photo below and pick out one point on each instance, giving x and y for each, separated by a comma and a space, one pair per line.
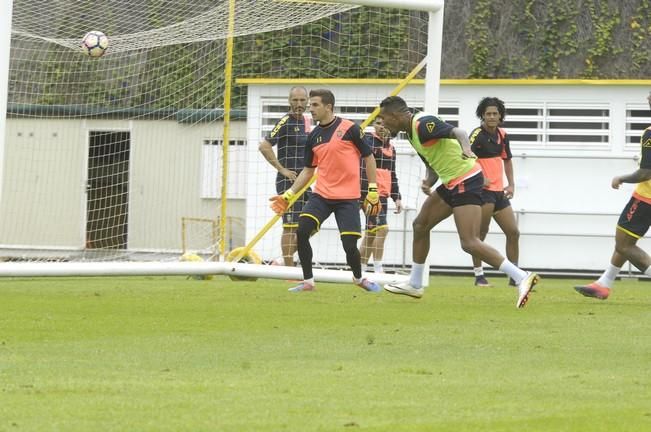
170, 354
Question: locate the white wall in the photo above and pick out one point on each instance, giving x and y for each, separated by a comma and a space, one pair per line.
567, 211
44, 188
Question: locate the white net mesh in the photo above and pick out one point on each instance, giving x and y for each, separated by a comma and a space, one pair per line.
135, 25
105, 157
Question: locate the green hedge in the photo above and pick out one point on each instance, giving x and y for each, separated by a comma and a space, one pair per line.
482, 39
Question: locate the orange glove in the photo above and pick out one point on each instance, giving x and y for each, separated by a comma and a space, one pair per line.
372, 204
279, 203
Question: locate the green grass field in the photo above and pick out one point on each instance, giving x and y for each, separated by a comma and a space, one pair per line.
170, 354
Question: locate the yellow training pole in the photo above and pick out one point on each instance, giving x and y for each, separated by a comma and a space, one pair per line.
228, 78
244, 252
296, 196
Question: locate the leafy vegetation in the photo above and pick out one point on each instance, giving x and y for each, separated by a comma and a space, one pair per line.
551, 39
482, 39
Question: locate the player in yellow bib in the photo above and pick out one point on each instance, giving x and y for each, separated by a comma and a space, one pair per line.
632, 225
446, 152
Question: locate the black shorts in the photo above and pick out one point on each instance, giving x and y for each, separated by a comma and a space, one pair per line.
375, 222
346, 213
468, 192
495, 197
290, 217
635, 218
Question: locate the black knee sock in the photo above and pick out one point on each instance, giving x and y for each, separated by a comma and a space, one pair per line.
352, 254
306, 226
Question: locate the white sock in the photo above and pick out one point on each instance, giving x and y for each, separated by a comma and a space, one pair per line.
516, 273
608, 277
479, 271
377, 266
416, 276
309, 281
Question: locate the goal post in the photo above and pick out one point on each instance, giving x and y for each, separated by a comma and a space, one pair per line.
435, 9
5, 48
179, 268
102, 159
228, 84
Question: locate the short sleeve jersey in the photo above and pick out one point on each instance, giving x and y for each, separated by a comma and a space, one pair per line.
430, 137
385, 160
491, 150
290, 135
336, 150
643, 190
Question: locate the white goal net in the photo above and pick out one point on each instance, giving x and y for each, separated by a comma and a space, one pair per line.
120, 157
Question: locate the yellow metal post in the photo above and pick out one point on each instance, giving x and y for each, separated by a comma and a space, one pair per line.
228, 78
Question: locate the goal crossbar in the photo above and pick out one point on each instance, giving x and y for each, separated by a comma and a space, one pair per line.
423, 5
202, 268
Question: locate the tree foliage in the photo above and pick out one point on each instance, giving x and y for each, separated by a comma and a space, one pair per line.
607, 39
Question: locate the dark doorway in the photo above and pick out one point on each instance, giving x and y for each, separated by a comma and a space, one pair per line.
108, 190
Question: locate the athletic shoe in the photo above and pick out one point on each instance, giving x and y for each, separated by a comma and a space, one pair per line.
369, 285
303, 286
594, 289
481, 281
525, 287
405, 289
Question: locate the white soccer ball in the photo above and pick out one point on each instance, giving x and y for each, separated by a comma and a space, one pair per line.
94, 43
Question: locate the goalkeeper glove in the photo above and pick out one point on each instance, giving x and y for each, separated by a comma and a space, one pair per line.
372, 204
279, 203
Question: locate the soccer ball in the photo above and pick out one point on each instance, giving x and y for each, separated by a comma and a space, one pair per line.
94, 43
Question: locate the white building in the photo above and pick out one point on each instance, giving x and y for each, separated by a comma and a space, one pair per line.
569, 138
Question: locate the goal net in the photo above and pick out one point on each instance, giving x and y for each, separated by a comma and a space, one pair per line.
121, 157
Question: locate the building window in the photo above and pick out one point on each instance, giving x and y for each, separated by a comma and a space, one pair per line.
557, 126
637, 120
